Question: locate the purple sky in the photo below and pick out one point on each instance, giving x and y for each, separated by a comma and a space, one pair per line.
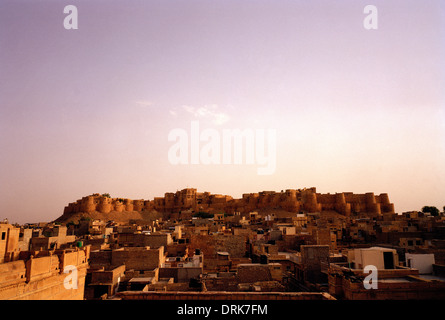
90, 110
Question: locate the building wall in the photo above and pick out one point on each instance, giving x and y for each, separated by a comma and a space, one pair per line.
312, 258
145, 240
395, 291
24, 241
221, 284
175, 249
158, 240
180, 274
368, 257
211, 244
9, 238
422, 262
249, 273
43, 278
107, 276
371, 256
56, 242
138, 258
99, 258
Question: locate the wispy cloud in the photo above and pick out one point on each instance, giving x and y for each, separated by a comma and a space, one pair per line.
210, 112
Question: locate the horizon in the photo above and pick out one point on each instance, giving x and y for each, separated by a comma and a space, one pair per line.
92, 109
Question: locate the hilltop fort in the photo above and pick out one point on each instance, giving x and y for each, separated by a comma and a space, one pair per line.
184, 203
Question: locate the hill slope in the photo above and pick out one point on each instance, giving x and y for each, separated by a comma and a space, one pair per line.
122, 217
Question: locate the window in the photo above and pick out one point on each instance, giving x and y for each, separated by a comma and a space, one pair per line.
3, 235
410, 242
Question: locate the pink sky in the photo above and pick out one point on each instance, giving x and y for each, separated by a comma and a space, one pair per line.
89, 110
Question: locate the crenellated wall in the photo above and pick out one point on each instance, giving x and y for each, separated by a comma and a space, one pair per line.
138, 205
292, 200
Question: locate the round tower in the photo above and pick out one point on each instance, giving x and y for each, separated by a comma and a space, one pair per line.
340, 198
128, 205
384, 198
118, 205
148, 205
310, 203
371, 205
104, 205
370, 198
88, 204
138, 205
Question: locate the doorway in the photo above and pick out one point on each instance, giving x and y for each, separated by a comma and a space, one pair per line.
388, 260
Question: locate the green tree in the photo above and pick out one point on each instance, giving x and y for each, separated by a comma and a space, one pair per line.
106, 195
432, 210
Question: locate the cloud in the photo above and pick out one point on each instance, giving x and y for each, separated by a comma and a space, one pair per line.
221, 118
208, 111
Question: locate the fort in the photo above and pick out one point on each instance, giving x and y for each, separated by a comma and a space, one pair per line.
184, 203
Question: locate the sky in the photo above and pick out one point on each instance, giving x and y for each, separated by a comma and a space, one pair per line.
90, 110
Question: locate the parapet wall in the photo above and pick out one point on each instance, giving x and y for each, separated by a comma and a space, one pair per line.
41, 276
222, 295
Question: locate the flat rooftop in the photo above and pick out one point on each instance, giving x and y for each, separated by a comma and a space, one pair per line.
141, 280
431, 277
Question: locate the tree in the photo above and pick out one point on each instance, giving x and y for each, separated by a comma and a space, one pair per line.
106, 195
432, 210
